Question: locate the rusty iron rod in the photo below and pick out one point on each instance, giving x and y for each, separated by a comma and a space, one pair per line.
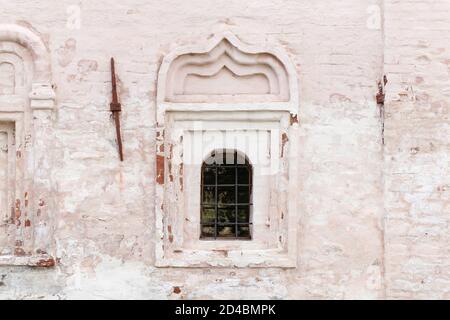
116, 108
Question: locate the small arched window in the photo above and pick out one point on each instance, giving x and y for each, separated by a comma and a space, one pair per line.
226, 197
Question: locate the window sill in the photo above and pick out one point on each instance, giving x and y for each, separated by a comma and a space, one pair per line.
270, 258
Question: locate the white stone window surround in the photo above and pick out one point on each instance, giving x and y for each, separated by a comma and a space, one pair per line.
28, 108
274, 242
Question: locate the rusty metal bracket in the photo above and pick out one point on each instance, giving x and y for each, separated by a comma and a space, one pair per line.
116, 108
381, 95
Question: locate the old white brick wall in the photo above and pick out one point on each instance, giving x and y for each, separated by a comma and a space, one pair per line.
373, 220
417, 157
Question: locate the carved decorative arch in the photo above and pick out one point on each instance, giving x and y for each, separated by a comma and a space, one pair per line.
226, 72
42, 95
34, 44
270, 77
18, 60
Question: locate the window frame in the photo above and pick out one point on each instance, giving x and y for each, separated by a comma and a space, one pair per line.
177, 203
30, 111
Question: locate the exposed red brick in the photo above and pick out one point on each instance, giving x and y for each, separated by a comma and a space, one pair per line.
19, 252
26, 199
176, 290
160, 169
294, 119
170, 172
46, 263
169, 229
284, 140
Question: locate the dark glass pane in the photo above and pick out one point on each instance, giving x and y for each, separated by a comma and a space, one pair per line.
208, 195
243, 175
243, 195
226, 231
223, 202
209, 175
211, 160
226, 175
208, 231
244, 214
227, 214
208, 215
219, 158
243, 231
226, 195
240, 159
229, 159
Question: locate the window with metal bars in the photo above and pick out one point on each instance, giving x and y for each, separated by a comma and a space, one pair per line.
226, 196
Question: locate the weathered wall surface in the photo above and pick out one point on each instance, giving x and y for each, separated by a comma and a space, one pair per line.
417, 171
105, 209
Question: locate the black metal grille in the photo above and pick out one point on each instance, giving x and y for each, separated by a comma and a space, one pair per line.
226, 196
